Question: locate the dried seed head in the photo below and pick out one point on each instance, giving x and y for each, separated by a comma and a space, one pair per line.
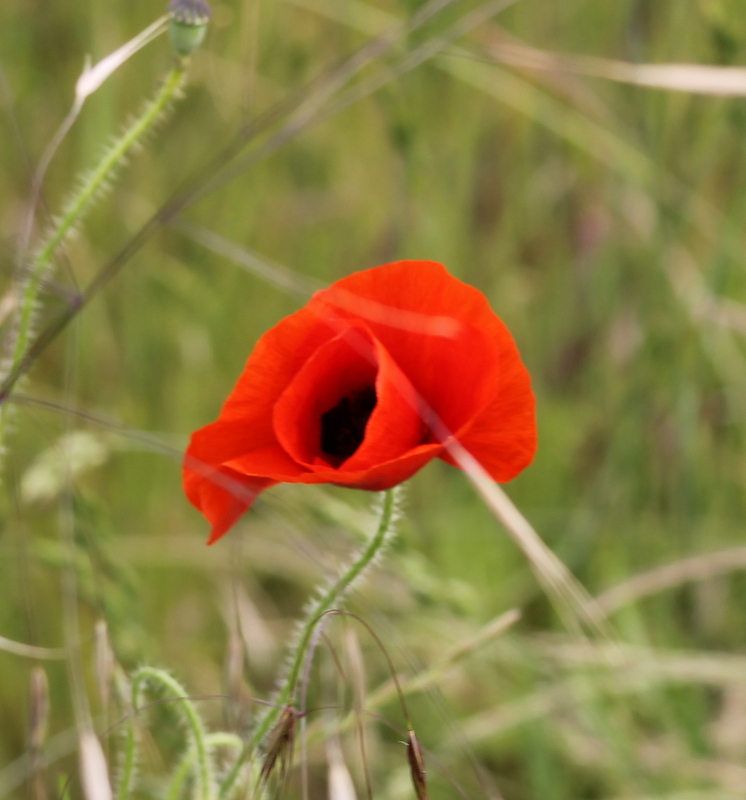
188, 24
38, 709
417, 766
280, 746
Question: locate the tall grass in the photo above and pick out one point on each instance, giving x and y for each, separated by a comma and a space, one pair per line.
317, 137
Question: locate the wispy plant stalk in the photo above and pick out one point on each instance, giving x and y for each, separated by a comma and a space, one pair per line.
80, 203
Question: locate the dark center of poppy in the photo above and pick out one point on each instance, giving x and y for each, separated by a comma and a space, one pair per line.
343, 427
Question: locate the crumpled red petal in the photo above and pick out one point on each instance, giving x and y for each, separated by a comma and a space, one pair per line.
222, 495
353, 359
501, 434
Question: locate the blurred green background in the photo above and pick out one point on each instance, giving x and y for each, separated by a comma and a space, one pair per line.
605, 224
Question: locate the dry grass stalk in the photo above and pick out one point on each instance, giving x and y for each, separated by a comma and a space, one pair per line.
694, 78
94, 773
38, 725
341, 786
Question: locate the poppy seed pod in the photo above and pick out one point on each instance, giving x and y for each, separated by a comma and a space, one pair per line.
364, 386
188, 24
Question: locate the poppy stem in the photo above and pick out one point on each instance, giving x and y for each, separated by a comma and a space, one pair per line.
91, 186
319, 607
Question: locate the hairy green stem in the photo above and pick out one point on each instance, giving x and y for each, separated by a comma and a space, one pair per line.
204, 771
319, 607
126, 779
79, 204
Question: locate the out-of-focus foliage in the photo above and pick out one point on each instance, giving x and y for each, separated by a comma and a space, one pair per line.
603, 221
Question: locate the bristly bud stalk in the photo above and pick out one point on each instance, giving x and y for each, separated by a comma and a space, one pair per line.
188, 24
417, 765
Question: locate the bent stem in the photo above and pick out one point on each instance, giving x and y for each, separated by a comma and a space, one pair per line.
318, 608
199, 747
81, 201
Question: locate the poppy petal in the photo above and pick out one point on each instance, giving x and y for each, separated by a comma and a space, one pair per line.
244, 424
407, 305
396, 425
342, 366
222, 495
376, 478
343, 369
502, 437
278, 355
440, 331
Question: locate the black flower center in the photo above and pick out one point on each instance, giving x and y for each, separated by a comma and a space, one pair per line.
343, 427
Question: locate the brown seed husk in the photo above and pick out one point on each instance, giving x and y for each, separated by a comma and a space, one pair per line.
416, 759
280, 747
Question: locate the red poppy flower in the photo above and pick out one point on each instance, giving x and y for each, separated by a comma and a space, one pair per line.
364, 386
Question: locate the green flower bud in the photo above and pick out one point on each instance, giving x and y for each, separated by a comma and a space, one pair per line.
188, 24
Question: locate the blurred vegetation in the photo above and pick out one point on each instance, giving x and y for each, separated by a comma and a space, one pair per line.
604, 223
